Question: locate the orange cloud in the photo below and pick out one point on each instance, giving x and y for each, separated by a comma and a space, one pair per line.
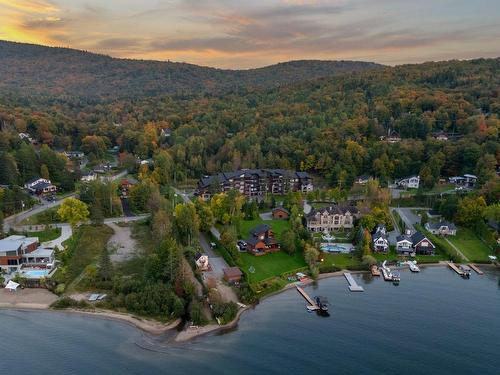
36, 6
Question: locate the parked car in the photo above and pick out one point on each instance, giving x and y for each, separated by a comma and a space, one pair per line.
242, 245
212, 245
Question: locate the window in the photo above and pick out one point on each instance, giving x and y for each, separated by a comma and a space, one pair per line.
12, 262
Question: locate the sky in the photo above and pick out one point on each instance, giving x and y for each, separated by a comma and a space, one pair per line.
254, 33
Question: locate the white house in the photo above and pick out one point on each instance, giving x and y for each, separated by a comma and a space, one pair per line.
412, 182
89, 176
202, 262
379, 238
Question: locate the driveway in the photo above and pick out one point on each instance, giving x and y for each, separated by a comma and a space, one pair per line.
306, 207
66, 233
266, 216
409, 218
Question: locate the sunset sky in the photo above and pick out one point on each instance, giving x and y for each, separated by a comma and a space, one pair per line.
244, 34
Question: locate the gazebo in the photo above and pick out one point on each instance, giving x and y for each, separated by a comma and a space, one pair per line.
12, 286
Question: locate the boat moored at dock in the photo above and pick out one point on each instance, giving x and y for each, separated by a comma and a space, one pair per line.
412, 264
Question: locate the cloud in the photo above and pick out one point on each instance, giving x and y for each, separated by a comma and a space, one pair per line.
31, 6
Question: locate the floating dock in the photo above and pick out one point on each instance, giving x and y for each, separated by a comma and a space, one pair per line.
313, 305
375, 271
476, 269
455, 268
386, 272
353, 285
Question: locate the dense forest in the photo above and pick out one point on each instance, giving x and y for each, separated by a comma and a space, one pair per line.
329, 126
65, 74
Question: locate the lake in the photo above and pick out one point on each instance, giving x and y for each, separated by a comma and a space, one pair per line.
434, 322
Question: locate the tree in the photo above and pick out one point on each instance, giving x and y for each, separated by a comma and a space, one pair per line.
288, 241
163, 167
73, 211
470, 211
424, 218
8, 169
44, 172
105, 271
161, 225
187, 222
228, 240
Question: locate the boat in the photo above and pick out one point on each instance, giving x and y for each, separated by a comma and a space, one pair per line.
466, 271
396, 277
322, 302
413, 266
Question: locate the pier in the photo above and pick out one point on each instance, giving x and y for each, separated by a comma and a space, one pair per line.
313, 305
353, 285
386, 272
456, 269
476, 269
375, 271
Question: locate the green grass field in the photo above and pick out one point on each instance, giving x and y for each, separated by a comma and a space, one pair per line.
278, 226
45, 235
270, 265
469, 244
83, 249
48, 216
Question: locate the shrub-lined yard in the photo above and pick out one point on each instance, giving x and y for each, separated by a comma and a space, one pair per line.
469, 244
277, 226
270, 265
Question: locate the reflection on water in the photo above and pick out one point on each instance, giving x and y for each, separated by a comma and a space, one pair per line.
416, 328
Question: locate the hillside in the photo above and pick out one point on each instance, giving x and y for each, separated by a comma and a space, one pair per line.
27, 69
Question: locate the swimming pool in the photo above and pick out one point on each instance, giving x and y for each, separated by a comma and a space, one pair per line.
36, 274
336, 248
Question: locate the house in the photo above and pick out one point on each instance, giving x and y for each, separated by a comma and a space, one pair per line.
74, 155
379, 238
392, 136
416, 243
40, 257
442, 228
280, 213
412, 182
201, 261
232, 275
404, 245
441, 136
125, 186
467, 180
165, 132
362, 180
12, 250
262, 241
331, 218
255, 183
40, 186
27, 137
89, 176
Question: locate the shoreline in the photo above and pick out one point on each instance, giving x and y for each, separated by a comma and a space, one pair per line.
156, 328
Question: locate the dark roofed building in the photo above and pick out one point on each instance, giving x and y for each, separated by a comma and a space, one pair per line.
442, 228
255, 182
280, 213
416, 243
232, 274
262, 241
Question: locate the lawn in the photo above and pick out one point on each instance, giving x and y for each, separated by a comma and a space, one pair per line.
270, 265
342, 261
45, 217
469, 244
45, 235
83, 249
278, 226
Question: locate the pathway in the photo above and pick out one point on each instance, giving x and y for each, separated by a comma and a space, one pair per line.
457, 250
217, 263
66, 233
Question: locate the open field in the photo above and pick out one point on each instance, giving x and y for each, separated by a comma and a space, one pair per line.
469, 244
48, 216
82, 249
270, 265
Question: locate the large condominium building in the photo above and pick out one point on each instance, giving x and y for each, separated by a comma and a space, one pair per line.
255, 182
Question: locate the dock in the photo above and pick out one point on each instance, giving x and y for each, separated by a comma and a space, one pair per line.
375, 271
456, 269
386, 272
312, 305
353, 285
476, 269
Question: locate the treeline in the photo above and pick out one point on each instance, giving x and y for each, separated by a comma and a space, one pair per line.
331, 127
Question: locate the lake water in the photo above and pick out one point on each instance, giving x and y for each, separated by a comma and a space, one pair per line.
434, 322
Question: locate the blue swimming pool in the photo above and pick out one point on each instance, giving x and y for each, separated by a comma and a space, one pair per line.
336, 248
36, 274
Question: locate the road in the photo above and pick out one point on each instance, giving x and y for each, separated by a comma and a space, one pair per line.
217, 263
409, 218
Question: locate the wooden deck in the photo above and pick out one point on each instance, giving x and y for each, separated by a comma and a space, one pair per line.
476, 269
375, 271
313, 305
455, 268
